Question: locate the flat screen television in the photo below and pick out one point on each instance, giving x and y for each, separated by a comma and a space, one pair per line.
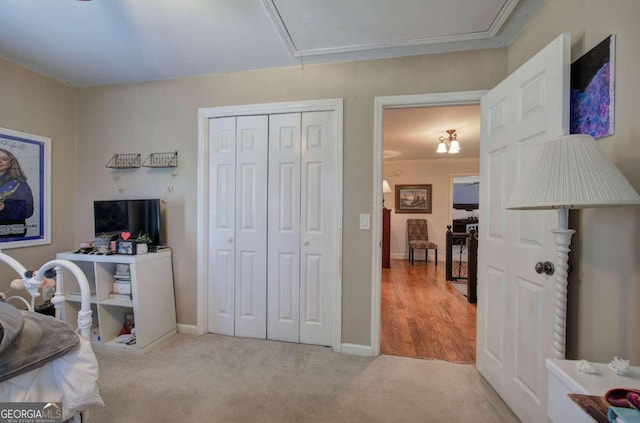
466, 196
111, 217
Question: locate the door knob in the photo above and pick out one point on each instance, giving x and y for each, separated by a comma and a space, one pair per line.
547, 268
306, 243
230, 240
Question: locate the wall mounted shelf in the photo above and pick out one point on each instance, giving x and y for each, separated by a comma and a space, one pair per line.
169, 159
124, 161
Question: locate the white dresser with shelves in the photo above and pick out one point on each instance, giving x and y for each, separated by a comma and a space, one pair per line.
152, 300
565, 379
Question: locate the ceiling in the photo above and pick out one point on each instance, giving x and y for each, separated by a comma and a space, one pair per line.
102, 42
414, 133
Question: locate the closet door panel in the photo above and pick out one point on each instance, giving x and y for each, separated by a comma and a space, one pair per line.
284, 228
221, 297
317, 228
313, 289
251, 226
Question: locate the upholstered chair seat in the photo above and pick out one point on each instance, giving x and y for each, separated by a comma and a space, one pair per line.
418, 237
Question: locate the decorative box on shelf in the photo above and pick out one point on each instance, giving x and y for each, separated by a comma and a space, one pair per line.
132, 247
127, 247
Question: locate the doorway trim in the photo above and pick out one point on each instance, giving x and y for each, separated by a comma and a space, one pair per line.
202, 193
380, 104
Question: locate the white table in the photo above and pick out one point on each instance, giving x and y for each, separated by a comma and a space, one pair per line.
564, 379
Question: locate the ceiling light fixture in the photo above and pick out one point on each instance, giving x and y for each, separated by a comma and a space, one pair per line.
449, 144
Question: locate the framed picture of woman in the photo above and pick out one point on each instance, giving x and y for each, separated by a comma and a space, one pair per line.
25, 189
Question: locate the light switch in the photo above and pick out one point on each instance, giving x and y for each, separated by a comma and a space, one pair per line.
365, 221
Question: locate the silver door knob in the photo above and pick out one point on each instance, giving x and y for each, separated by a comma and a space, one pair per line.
230, 240
306, 243
547, 268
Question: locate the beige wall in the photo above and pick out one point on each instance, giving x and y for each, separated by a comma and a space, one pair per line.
37, 105
438, 173
162, 116
604, 314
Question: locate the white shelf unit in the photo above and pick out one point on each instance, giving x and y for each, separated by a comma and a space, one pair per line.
152, 298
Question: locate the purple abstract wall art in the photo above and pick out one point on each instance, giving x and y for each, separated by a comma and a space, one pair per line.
592, 91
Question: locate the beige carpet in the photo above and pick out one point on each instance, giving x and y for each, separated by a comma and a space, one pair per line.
215, 378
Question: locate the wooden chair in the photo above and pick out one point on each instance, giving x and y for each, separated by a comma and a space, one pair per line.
418, 237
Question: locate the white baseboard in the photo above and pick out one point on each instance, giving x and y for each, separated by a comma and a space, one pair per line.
420, 258
356, 349
188, 329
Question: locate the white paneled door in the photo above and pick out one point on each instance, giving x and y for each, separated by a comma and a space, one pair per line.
284, 228
302, 220
251, 226
238, 229
318, 223
515, 304
272, 226
222, 217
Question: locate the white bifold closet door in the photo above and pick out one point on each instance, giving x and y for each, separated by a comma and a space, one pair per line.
272, 227
301, 222
238, 225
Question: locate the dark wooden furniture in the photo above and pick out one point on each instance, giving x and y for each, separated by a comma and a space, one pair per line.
386, 238
457, 242
460, 225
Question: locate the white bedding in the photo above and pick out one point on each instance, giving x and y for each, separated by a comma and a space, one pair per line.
71, 379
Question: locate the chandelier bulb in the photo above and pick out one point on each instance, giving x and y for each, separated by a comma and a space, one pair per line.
449, 144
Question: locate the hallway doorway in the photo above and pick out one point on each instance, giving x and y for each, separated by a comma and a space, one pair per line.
421, 314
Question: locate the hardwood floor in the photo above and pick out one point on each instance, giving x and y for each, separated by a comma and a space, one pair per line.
424, 316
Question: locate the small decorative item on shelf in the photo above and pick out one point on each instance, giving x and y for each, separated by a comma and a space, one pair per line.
619, 366
142, 243
102, 243
125, 245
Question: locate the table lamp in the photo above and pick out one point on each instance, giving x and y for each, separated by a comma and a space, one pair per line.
570, 172
386, 189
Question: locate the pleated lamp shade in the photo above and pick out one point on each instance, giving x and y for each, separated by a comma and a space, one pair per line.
385, 187
571, 172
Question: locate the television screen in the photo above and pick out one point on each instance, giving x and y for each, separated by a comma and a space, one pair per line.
111, 217
466, 196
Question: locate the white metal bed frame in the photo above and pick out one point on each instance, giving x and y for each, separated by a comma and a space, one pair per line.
32, 286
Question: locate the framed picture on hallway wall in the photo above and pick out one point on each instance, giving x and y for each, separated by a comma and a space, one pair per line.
25, 189
413, 198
